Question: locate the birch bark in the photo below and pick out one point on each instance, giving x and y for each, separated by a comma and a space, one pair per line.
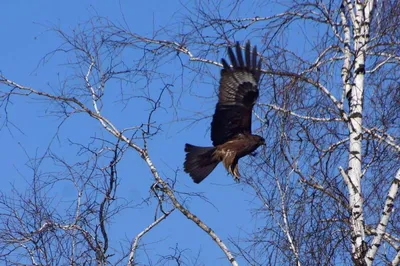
360, 15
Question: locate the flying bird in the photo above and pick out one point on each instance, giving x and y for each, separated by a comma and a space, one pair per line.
231, 124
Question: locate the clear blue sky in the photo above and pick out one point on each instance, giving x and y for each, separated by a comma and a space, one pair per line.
25, 40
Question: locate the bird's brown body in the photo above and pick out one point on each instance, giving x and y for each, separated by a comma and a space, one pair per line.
231, 151
231, 124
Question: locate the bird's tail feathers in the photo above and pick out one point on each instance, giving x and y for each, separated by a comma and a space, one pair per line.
199, 162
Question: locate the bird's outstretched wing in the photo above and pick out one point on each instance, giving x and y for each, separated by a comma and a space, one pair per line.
238, 92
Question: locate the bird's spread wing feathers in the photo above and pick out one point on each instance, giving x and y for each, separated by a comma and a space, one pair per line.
238, 92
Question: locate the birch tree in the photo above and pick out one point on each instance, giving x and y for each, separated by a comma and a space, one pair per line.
325, 186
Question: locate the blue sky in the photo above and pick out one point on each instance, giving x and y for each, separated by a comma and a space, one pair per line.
25, 41
33, 129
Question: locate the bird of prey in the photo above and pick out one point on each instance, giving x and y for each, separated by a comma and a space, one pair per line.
231, 124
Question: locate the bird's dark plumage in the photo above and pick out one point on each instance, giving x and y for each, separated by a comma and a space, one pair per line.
200, 161
231, 124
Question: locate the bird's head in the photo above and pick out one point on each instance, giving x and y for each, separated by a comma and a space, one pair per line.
260, 140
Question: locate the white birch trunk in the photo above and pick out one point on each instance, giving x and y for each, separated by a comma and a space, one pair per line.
360, 20
381, 228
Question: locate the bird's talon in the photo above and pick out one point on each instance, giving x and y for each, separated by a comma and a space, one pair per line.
253, 154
